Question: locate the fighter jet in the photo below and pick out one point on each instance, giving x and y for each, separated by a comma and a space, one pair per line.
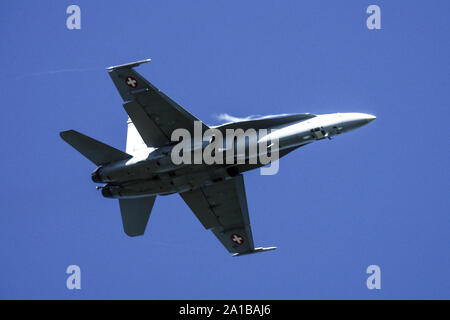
214, 192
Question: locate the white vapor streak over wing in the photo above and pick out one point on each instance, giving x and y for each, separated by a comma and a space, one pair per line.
230, 118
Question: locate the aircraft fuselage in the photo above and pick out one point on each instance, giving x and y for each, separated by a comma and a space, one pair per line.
152, 171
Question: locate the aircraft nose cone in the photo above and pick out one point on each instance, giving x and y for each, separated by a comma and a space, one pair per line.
370, 118
356, 120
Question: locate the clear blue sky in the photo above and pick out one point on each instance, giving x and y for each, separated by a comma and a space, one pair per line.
378, 195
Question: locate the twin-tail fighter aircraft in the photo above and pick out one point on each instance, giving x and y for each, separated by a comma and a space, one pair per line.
214, 192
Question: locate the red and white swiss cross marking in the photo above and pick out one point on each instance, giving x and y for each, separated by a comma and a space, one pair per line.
131, 82
236, 238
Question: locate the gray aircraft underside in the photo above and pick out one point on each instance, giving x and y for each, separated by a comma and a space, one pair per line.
214, 192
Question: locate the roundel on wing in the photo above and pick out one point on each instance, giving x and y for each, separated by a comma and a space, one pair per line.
131, 82
237, 238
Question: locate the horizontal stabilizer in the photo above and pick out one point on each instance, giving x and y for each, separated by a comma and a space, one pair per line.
135, 214
96, 151
256, 250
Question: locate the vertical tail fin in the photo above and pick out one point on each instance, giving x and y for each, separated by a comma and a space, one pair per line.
135, 214
134, 139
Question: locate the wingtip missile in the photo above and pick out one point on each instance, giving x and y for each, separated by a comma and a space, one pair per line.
256, 250
129, 65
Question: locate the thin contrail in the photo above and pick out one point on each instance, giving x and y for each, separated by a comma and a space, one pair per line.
50, 72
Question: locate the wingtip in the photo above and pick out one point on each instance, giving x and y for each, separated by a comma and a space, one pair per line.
129, 65
256, 250
62, 134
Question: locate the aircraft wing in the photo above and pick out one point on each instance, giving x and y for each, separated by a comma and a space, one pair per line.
154, 114
222, 208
